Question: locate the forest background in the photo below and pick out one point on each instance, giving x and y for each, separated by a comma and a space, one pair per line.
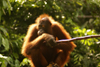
79, 18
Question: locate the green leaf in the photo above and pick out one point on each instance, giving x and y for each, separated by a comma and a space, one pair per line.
17, 63
0, 13
5, 43
4, 4
15, 55
25, 62
0, 40
4, 31
10, 61
9, 7
4, 63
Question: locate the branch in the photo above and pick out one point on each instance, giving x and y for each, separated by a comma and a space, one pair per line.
88, 16
77, 38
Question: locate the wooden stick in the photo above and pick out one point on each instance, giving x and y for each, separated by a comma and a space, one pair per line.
78, 38
88, 16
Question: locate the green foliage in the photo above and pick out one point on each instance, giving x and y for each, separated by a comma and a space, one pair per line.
5, 60
79, 18
4, 41
4, 4
25, 62
10, 47
87, 52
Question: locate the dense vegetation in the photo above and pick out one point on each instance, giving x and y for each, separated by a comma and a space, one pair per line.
79, 18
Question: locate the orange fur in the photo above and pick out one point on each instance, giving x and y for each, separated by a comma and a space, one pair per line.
40, 55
